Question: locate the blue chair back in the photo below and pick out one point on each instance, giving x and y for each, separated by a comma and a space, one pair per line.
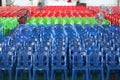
79, 60
41, 60
25, 57
95, 59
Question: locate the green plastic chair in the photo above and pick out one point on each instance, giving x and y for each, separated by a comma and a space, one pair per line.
52, 20
59, 20
66, 20
45, 20
38, 20
8, 24
32, 20
72, 20
106, 22
92, 21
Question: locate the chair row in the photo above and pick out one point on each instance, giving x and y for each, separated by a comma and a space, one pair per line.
8, 24
12, 11
64, 20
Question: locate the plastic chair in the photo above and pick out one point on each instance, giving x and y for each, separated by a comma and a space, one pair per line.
6, 61
79, 63
70, 30
52, 20
95, 62
66, 20
59, 63
41, 62
58, 57
58, 29
59, 20
24, 61
112, 62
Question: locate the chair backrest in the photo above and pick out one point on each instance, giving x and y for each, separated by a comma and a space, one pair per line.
59, 45
95, 59
71, 33
58, 29
79, 60
41, 60
112, 58
25, 57
59, 48
36, 31
43, 47
79, 29
75, 45
59, 60
46, 39
46, 32
6, 60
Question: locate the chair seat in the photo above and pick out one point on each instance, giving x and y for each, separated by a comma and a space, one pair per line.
24, 67
114, 67
59, 68
40, 68
5, 68
95, 68
80, 68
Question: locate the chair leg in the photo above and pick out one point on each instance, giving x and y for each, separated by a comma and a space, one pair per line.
2, 75
87, 75
37, 72
76, 75
21, 74
16, 74
10, 74
45, 74
102, 74
116, 75
99, 75
48, 75
83, 75
108, 72
52, 75
90, 73
34, 71
65, 71
29, 71
63, 75
73, 74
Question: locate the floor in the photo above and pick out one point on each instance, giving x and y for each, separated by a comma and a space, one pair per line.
58, 76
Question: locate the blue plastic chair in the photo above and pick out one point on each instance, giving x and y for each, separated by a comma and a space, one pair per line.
6, 61
24, 61
59, 57
70, 31
59, 63
58, 29
74, 46
47, 32
80, 31
79, 63
112, 62
95, 63
41, 62
72, 36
